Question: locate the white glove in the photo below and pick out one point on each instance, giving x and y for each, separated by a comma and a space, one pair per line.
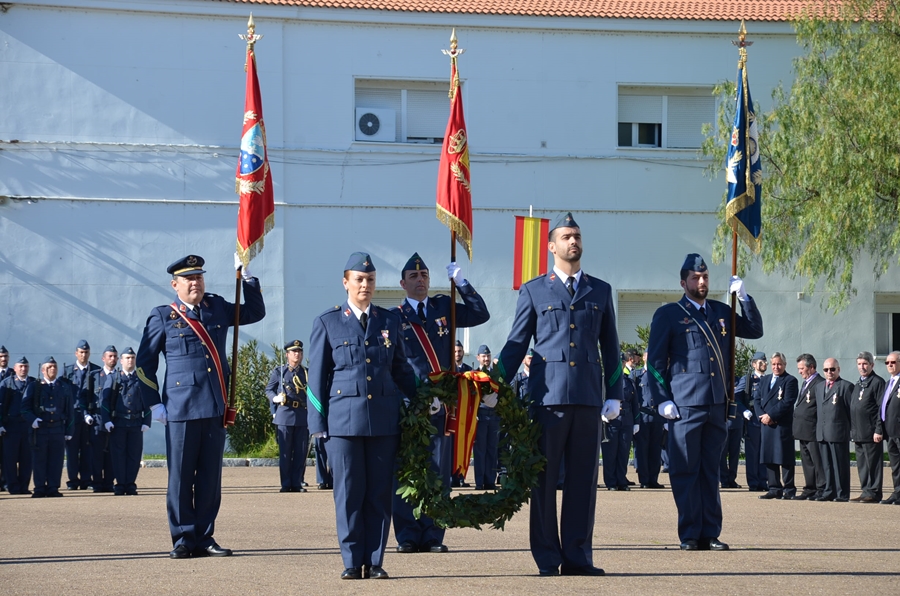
159, 413
68, 437
636, 428
665, 426
144, 428
238, 264
455, 273
88, 419
320, 435
489, 400
36, 423
610, 410
737, 286
748, 414
668, 410
278, 399
2, 431
109, 426
435, 406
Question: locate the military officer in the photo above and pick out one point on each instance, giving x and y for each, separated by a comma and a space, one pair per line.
619, 432
424, 324
286, 391
79, 458
648, 442
520, 382
459, 353
804, 429
689, 355
191, 332
755, 472
774, 405
567, 313
486, 448
15, 429
49, 407
127, 418
103, 476
358, 377
867, 429
728, 467
5, 371
833, 431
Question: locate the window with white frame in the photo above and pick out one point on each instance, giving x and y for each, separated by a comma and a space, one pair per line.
636, 309
664, 117
389, 111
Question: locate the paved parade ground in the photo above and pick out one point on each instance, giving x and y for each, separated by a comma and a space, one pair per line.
90, 543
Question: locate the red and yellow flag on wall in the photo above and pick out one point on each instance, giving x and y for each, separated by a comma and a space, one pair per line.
454, 191
256, 214
530, 257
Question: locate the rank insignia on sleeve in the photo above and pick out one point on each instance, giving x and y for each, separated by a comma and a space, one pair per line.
385, 333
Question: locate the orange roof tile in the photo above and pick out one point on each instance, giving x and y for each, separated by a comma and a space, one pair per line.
709, 10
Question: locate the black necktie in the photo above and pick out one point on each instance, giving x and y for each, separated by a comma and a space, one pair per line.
703, 312
363, 320
570, 285
420, 310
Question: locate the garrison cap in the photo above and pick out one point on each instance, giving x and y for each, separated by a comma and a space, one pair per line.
415, 263
759, 356
3, 350
189, 265
22, 360
293, 346
483, 349
694, 262
360, 261
564, 220
83, 345
128, 352
48, 360
459, 344
111, 349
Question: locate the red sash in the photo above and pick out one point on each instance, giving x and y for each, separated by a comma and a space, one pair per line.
208, 343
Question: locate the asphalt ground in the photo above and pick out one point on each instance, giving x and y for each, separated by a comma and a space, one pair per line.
285, 543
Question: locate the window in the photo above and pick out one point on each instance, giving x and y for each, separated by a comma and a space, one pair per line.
887, 323
636, 309
401, 111
668, 117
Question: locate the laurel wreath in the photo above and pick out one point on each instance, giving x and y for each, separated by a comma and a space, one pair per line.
422, 487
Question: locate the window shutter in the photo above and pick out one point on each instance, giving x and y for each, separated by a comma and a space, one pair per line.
640, 108
427, 113
685, 117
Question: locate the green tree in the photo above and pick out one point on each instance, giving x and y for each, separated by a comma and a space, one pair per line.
831, 154
253, 425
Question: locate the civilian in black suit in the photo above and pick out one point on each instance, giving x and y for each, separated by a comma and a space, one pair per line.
804, 428
867, 430
890, 416
833, 432
775, 408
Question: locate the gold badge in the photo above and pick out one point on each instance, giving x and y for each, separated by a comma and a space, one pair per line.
385, 334
722, 324
173, 315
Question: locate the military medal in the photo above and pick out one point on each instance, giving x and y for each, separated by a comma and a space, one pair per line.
861, 391
834, 399
385, 333
442, 326
780, 392
807, 397
722, 324
173, 315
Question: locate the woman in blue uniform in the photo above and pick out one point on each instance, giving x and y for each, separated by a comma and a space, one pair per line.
358, 377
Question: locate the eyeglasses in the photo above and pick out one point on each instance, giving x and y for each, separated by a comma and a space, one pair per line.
890, 362
829, 369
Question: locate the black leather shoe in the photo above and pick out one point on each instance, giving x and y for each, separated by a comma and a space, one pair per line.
713, 544
801, 497
629, 483
841, 500
375, 572
285, 489
690, 545
890, 500
548, 572
180, 552
788, 496
214, 550
131, 491
433, 547
55, 493
653, 485
407, 547
623, 487
823, 499
37, 495
772, 494
352, 573
586, 570
298, 489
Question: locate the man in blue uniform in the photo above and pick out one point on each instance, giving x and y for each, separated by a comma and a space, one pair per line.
49, 407
127, 418
485, 449
191, 333
102, 476
567, 313
459, 353
5, 371
286, 391
79, 459
648, 442
746, 393
424, 324
15, 431
358, 377
619, 432
689, 360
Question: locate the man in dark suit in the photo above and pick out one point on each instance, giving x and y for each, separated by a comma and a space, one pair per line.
567, 313
286, 391
690, 359
79, 458
804, 429
833, 432
775, 408
890, 416
867, 429
428, 345
191, 332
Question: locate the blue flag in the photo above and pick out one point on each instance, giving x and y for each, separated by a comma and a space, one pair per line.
743, 168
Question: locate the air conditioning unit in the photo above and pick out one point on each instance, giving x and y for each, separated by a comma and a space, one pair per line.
376, 124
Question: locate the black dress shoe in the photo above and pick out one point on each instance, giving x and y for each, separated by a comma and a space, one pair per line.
37, 495
713, 544
629, 483
623, 487
800, 497
548, 572
890, 500
304, 484
375, 572
788, 496
655, 485
823, 499
131, 491
214, 550
352, 573
55, 493
586, 570
298, 489
772, 494
689, 544
433, 546
841, 499
180, 552
285, 489
407, 547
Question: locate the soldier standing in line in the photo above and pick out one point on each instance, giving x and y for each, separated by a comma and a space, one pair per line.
286, 391
127, 419
103, 475
49, 407
15, 430
79, 458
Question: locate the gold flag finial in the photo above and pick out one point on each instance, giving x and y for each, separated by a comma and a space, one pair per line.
251, 38
454, 50
742, 44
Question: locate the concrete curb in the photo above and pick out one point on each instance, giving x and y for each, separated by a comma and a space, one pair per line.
230, 462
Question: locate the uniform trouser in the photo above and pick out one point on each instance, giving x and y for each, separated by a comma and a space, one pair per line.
485, 451
363, 469
731, 454
323, 470
781, 479
422, 532
615, 453
695, 452
893, 449
17, 460
572, 432
194, 450
755, 471
836, 465
813, 473
293, 444
126, 445
648, 450
49, 451
102, 475
78, 454
870, 467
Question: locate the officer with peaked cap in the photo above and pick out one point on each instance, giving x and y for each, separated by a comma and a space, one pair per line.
126, 418
79, 458
358, 377
689, 360
191, 333
48, 405
102, 477
15, 430
425, 322
286, 391
567, 313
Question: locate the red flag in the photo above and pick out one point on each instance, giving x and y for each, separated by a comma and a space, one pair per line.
530, 253
454, 192
256, 214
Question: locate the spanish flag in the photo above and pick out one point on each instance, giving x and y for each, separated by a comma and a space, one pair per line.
530, 258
